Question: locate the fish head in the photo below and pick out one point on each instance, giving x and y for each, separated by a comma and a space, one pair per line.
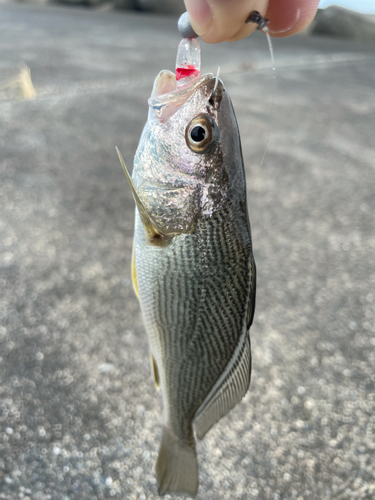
189, 160
196, 121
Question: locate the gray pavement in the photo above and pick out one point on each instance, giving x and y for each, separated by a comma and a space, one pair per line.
79, 416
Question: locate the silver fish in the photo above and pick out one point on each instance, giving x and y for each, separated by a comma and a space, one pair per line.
193, 266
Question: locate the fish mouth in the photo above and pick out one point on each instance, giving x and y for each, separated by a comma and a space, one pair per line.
166, 98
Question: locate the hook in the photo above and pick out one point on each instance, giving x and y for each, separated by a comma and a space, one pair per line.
256, 18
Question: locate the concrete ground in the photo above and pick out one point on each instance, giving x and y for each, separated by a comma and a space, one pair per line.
79, 416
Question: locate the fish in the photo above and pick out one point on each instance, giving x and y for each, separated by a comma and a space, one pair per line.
193, 268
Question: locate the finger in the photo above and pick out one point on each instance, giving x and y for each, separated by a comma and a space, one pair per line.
222, 20
288, 17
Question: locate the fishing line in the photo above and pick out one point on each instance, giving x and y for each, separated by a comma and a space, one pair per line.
273, 92
217, 79
257, 18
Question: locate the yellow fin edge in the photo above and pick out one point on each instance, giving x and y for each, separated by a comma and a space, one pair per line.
134, 274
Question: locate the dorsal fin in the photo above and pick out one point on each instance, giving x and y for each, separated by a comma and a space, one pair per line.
228, 390
152, 231
253, 292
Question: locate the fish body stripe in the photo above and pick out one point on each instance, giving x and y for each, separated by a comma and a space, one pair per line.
194, 296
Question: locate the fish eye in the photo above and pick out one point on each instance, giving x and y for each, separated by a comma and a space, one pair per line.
200, 134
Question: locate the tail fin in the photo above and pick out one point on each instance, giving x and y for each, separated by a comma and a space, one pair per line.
177, 466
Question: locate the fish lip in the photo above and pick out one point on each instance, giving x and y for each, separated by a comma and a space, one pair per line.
182, 89
166, 105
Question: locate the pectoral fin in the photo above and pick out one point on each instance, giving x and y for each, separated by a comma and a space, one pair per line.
150, 226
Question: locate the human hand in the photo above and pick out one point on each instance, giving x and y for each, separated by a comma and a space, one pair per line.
224, 20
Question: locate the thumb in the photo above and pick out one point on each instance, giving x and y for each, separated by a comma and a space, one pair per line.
223, 20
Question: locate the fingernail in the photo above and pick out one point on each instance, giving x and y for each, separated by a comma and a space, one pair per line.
200, 15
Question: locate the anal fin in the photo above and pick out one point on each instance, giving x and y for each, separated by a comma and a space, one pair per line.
228, 390
154, 368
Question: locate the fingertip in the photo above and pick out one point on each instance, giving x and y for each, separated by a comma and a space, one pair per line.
288, 17
200, 15
243, 32
218, 21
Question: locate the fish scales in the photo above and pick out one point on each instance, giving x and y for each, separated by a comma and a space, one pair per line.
199, 284
194, 267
